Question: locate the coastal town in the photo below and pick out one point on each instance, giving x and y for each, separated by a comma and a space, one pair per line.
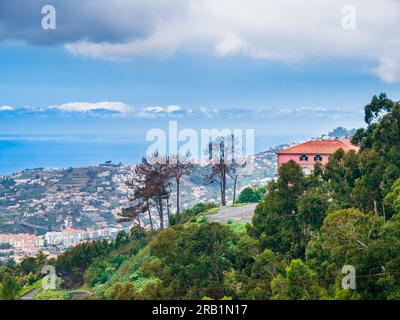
15, 247
49, 210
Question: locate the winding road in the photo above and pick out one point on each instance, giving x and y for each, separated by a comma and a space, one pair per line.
29, 295
235, 214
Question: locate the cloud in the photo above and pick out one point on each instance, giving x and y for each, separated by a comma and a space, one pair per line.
122, 110
388, 70
312, 113
158, 111
283, 30
7, 108
209, 113
117, 107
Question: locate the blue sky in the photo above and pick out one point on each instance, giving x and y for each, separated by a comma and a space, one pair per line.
204, 64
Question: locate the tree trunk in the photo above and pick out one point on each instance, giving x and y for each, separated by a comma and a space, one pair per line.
177, 200
160, 214
224, 188
234, 190
376, 208
383, 212
168, 211
151, 220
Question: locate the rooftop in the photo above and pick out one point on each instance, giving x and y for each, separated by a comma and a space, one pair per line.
320, 147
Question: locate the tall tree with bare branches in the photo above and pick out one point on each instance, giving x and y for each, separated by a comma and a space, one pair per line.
221, 152
150, 182
180, 165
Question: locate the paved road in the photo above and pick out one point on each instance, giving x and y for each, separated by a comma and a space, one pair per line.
29, 295
235, 214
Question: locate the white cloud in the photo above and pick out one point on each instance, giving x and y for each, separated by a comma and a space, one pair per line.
282, 30
311, 112
122, 110
388, 70
231, 44
158, 111
118, 107
7, 108
209, 113
285, 30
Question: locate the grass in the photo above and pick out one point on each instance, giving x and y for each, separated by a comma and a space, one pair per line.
210, 211
52, 295
29, 288
199, 220
238, 227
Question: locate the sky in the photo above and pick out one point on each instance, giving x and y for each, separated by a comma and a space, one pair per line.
281, 67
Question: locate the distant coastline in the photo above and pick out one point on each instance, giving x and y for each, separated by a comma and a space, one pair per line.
23, 152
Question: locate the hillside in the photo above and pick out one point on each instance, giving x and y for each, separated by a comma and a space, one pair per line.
41, 199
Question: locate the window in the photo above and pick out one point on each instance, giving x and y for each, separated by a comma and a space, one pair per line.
317, 158
303, 157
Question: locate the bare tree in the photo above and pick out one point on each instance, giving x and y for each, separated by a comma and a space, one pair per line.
180, 166
221, 153
235, 178
133, 214
150, 182
156, 171
141, 199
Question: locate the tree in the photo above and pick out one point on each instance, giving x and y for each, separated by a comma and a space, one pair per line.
134, 213
191, 260
392, 199
179, 166
9, 287
276, 220
33, 265
150, 185
312, 206
340, 175
253, 280
379, 156
299, 283
378, 107
72, 264
249, 195
343, 238
221, 154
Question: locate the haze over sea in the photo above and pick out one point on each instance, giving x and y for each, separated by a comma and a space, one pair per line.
19, 152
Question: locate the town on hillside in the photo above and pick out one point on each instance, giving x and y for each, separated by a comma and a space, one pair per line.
51, 210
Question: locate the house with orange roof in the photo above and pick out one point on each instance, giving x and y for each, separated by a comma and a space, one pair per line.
307, 154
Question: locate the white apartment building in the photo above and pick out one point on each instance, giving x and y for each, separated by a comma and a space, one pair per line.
22, 241
67, 237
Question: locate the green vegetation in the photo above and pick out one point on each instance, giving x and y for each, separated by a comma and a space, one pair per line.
51, 295
9, 287
192, 213
237, 227
304, 231
29, 287
251, 195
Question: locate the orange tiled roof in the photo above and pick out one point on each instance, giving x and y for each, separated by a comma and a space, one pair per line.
320, 147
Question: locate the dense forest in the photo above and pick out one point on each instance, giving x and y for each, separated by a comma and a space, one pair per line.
306, 228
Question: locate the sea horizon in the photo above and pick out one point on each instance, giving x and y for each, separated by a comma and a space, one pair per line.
23, 152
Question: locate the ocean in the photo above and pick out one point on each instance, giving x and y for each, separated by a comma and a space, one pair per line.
18, 153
